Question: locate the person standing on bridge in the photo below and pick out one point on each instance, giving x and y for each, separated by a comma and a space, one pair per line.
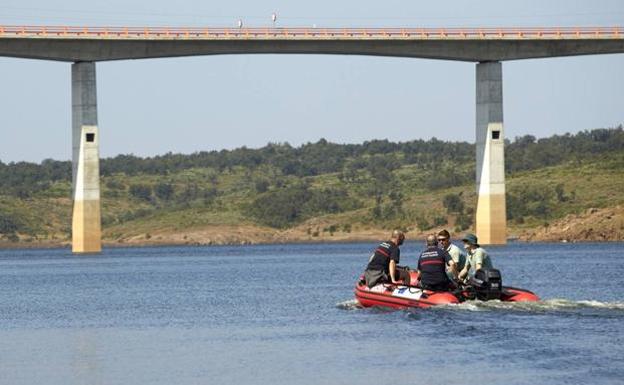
458, 257
432, 266
383, 264
476, 259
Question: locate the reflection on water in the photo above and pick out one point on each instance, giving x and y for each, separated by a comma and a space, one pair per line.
84, 361
286, 314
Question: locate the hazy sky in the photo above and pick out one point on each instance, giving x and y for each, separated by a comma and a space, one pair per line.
150, 107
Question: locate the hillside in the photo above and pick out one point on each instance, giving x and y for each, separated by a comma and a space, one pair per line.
564, 187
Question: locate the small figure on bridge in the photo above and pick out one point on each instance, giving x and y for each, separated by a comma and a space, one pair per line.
240, 23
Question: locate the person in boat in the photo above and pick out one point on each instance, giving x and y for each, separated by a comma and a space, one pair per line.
477, 258
432, 266
383, 264
458, 257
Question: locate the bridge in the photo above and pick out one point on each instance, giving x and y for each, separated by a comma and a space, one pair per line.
487, 47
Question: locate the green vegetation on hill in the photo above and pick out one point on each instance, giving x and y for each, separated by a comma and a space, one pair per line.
422, 184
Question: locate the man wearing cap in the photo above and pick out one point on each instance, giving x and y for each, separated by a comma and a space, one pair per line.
382, 266
458, 257
477, 257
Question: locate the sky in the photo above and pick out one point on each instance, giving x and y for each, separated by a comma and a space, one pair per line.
183, 105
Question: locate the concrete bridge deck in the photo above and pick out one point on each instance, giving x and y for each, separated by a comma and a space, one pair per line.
75, 44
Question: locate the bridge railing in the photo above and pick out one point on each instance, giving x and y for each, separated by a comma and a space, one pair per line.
311, 33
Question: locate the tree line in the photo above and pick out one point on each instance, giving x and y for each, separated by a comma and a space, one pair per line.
437, 158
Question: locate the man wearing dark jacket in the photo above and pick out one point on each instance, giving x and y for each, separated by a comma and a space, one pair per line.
382, 266
432, 266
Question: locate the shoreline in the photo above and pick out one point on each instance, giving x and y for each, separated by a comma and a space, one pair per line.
595, 225
119, 245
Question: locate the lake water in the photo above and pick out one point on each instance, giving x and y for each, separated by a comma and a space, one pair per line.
284, 314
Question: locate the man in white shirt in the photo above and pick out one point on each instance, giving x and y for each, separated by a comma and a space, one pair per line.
458, 257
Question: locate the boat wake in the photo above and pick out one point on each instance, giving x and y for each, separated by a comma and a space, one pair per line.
557, 304
351, 304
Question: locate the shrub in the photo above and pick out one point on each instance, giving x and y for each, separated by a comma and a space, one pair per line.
439, 220
141, 192
287, 206
9, 224
164, 191
446, 175
114, 184
422, 223
463, 222
261, 185
532, 200
453, 203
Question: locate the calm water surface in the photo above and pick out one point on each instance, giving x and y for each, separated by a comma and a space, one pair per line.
286, 315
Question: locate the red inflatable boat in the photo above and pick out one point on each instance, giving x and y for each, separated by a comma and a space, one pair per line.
486, 286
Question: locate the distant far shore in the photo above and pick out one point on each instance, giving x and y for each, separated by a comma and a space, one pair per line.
164, 243
43, 245
595, 225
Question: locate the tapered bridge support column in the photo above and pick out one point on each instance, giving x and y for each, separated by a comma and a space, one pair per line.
86, 224
491, 218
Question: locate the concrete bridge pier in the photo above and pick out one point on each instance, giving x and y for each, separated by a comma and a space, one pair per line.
86, 223
491, 217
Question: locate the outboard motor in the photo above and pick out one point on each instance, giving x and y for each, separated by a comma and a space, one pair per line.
488, 284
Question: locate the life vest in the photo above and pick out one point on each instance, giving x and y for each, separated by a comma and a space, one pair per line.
432, 266
380, 260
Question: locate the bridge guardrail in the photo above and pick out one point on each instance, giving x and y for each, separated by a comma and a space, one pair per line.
258, 33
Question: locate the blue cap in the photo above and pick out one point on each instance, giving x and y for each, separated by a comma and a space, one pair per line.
471, 238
